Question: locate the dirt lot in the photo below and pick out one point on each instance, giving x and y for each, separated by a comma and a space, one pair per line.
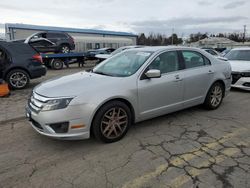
191, 148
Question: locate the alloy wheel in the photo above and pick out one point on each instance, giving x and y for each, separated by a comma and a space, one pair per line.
18, 80
216, 96
65, 49
114, 123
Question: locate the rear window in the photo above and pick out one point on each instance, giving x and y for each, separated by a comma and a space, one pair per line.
19, 49
241, 55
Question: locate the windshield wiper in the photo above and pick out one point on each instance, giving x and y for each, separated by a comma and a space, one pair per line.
102, 73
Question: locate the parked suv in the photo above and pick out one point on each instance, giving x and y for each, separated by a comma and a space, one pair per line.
19, 63
49, 41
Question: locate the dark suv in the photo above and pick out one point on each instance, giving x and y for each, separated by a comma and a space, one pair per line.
19, 63
50, 41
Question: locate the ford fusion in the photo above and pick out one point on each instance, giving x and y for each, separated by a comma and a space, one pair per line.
239, 59
130, 87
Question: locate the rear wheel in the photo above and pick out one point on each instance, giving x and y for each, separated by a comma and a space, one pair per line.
214, 96
112, 122
64, 49
57, 64
18, 79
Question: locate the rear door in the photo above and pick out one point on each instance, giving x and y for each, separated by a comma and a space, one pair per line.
198, 77
57, 38
158, 96
53, 37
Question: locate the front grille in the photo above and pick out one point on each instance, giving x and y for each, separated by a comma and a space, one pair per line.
36, 102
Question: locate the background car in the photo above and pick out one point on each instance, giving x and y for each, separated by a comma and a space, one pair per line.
58, 42
212, 51
132, 86
239, 59
20, 63
102, 57
226, 51
91, 54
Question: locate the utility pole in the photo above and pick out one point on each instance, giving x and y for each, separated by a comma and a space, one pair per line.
172, 36
244, 33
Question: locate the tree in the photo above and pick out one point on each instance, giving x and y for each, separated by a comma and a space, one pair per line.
197, 36
158, 39
142, 39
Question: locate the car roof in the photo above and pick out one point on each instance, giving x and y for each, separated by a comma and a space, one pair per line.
17, 48
243, 48
162, 48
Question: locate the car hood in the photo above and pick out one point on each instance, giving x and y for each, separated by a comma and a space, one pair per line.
240, 66
75, 85
103, 56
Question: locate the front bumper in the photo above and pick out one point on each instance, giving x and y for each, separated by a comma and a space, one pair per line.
71, 123
42, 122
241, 81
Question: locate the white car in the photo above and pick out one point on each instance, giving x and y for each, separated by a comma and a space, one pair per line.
102, 57
212, 52
239, 59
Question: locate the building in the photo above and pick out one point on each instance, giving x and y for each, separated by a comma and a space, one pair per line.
85, 39
218, 42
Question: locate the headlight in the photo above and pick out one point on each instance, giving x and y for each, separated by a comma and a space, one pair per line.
56, 104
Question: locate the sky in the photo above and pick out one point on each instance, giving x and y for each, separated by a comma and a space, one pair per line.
136, 16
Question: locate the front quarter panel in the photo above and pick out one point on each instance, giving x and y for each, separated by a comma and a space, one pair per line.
124, 89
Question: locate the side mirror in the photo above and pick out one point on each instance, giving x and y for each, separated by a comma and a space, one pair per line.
153, 73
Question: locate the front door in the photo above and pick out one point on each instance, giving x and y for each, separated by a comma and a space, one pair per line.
158, 96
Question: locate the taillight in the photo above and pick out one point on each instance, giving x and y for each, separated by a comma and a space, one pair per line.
37, 57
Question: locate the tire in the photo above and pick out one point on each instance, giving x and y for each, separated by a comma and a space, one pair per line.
111, 122
18, 79
214, 96
56, 64
64, 49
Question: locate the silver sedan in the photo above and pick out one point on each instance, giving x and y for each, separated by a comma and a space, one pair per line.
129, 87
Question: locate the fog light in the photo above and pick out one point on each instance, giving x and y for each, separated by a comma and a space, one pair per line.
60, 127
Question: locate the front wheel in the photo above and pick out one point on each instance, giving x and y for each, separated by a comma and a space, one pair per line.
18, 79
214, 96
112, 122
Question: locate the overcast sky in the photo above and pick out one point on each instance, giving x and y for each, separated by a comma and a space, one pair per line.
158, 16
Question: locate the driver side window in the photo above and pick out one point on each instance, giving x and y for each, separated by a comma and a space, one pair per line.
166, 62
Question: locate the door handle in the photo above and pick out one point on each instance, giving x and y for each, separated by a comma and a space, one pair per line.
177, 78
210, 72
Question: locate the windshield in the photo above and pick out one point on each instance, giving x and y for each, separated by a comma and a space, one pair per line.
118, 51
123, 64
241, 55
